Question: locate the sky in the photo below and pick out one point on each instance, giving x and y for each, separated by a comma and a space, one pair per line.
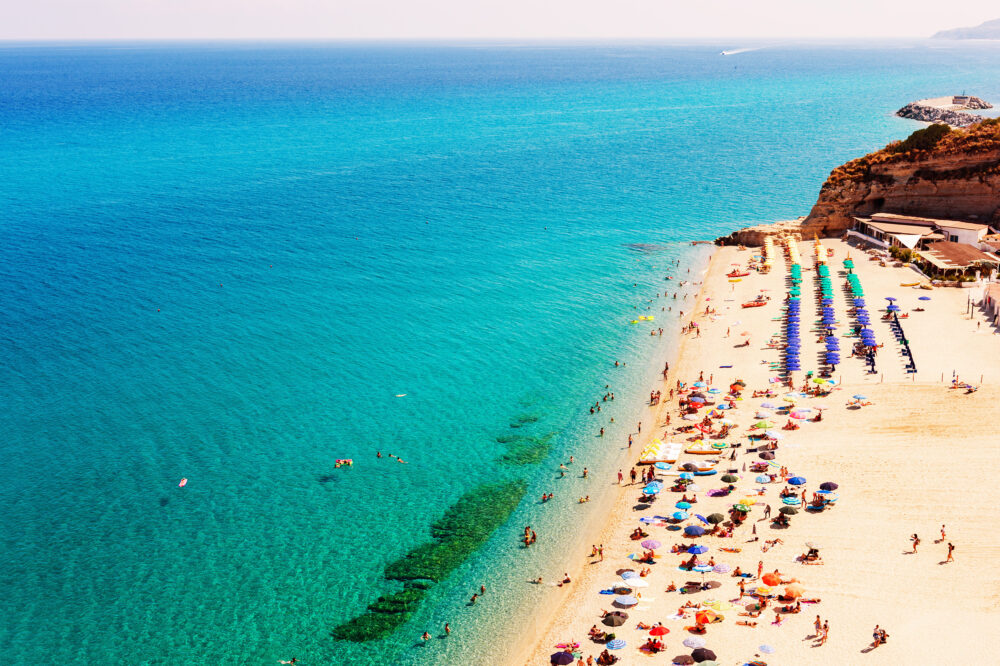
484, 19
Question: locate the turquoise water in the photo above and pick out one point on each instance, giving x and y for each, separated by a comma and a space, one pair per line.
222, 263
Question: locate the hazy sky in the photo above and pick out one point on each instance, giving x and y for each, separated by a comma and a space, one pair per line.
472, 19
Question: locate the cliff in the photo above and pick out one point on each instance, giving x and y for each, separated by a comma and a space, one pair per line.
987, 30
936, 172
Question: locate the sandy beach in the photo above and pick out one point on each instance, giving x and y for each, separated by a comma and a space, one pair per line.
908, 461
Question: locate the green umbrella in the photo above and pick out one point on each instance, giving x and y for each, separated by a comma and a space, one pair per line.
715, 518
788, 511
730, 478
764, 424
742, 508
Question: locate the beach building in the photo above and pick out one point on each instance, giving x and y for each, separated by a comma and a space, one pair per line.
908, 231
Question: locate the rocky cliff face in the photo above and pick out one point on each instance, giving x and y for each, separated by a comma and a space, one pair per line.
958, 178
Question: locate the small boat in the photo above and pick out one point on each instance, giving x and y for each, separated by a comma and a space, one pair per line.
754, 304
908, 284
736, 274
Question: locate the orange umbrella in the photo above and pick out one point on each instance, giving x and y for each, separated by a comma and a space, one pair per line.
771, 579
706, 617
659, 631
794, 591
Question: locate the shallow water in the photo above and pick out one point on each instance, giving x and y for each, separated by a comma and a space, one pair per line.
223, 263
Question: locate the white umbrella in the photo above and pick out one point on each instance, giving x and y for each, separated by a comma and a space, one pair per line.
694, 642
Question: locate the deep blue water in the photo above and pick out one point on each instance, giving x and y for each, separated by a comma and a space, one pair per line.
222, 262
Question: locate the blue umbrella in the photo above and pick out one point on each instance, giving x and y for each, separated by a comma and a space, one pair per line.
686, 475
797, 480
662, 465
924, 298
694, 530
626, 600
696, 399
889, 298
697, 550
679, 515
769, 405
892, 308
766, 649
653, 488
700, 384
616, 644
629, 574
860, 397
702, 568
683, 505
562, 659
763, 479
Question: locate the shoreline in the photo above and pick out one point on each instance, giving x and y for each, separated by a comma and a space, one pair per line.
868, 451
602, 531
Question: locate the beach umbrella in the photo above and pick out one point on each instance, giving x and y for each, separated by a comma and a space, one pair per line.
742, 508
615, 619
794, 591
696, 399
797, 480
727, 422
762, 414
683, 660
697, 550
699, 384
924, 298
659, 630
763, 424
616, 644
770, 579
694, 642
788, 511
691, 417
722, 568
685, 476
730, 478
890, 298
702, 568
626, 600
763, 479
679, 515
702, 654
651, 544
766, 455
689, 467
860, 397
562, 658
766, 649
820, 407
770, 405
773, 434
694, 530
705, 617
799, 415
652, 488
763, 591
662, 465
683, 505
892, 308
828, 485
627, 573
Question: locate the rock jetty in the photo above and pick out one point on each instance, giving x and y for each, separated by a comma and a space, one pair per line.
947, 110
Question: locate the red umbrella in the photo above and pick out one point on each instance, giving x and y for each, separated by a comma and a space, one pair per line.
771, 579
659, 631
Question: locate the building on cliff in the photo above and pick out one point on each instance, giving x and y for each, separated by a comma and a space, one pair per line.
907, 231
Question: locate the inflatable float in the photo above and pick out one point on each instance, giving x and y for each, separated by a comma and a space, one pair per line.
660, 452
701, 448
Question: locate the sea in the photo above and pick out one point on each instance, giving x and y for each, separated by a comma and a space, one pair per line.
237, 263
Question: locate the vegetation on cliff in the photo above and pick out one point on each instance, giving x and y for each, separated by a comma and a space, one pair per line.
933, 141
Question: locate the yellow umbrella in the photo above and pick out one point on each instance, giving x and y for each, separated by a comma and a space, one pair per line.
764, 591
789, 398
749, 501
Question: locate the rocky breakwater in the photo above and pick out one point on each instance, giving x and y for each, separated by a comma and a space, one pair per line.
947, 110
937, 172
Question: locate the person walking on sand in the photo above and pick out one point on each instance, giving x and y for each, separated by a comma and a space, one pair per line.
818, 626
760, 568
621, 477
943, 537
600, 553
634, 474
916, 542
826, 633
767, 510
742, 589
951, 549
